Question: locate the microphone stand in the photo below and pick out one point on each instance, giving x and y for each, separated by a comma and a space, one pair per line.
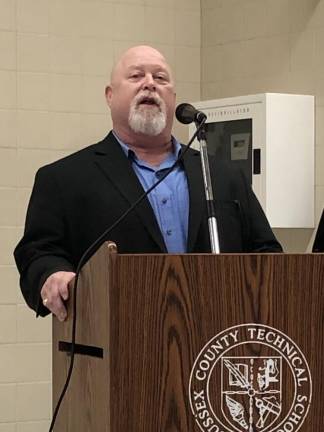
212, 222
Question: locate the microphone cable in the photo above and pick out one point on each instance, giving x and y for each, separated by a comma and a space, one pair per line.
89, 252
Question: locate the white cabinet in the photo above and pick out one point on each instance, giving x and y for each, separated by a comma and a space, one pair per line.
272, 136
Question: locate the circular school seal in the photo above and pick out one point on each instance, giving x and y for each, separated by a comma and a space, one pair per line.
249, 378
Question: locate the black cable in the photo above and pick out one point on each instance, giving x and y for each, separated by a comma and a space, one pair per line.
89, 252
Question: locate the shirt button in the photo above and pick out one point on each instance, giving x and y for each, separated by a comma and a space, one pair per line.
169, 232
164, 200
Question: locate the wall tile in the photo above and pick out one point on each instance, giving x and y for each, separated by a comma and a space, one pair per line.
9, 237
33, 52
188, 92
210, 29
168, 4
8, 427
212, 63
227, 22
97, 19
30, 370
8, 206
319, 126
159, 26
302, 13
33, 16
299, 82
7, 403
33, 401
186, 69
8, 14
23, 195
8, 327
33, 90
64, 131
32, 329
130, 30
29, 160
33, 129
255, 19
8, 364
94, 127
135, 2
316, 15
9, 285
93, 94
8, 167
303, 51
8, 50
65, 54
39, 426
65, 91
278, 14
65, 17
8, 121
7, 89
319, 164
318, 50
265, 56
59, 154
97, 56
190, 5
211, 90
319, 87
187, 28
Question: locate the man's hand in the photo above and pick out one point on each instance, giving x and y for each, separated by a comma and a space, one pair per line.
55, 291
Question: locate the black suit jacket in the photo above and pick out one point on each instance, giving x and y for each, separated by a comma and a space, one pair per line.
76, 198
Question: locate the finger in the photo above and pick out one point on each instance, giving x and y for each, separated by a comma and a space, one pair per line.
63, 289
56, 306
64, 285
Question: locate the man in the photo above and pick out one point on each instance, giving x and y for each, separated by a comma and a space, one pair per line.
75, 199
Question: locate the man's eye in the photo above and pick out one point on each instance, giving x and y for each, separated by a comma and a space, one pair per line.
161, 78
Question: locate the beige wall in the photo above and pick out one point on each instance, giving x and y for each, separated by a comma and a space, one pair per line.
258, 46
54, 62
55, 56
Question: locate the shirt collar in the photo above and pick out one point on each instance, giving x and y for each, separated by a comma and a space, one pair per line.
131, 155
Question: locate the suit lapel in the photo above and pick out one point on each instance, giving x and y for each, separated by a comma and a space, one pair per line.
192, 167
111, 159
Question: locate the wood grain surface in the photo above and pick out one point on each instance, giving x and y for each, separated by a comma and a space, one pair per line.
153, 315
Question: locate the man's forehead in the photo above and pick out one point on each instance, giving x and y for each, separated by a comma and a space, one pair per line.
142, 56
145, 58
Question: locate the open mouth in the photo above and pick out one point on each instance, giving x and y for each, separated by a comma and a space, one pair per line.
148, 101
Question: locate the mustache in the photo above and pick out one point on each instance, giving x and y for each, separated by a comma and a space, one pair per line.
147, 97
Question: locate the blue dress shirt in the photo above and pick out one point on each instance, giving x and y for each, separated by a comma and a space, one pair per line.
169, 200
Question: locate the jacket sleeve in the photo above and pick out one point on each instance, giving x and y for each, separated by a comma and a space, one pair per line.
257, 233
42, 249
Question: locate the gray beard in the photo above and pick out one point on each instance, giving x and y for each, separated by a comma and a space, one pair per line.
147, 122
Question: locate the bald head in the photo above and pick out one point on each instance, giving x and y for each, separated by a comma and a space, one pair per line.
135, 54
141, 94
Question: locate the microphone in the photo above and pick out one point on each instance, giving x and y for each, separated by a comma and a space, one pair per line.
186, 113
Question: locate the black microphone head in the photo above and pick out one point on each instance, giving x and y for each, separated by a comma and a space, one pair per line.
186, 113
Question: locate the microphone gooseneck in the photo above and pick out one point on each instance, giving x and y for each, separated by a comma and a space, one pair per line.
85, 257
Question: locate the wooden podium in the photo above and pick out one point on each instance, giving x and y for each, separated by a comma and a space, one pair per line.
189, 343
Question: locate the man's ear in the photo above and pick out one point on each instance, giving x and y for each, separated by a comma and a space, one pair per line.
108, 93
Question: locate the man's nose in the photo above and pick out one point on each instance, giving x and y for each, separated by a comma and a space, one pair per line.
149, 83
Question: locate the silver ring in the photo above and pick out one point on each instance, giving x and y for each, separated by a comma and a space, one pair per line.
45, 301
